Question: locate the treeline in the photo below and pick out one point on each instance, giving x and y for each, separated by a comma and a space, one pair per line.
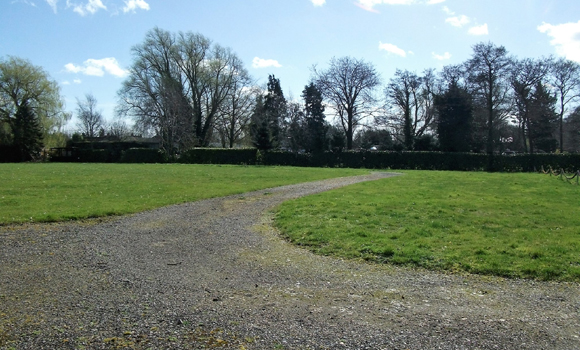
190, 92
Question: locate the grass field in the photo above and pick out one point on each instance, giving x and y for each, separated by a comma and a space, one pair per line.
512, 225
59, 191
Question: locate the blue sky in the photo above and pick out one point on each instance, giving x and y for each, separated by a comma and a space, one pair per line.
85, 45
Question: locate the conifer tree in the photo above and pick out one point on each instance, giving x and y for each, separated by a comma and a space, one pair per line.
315, 122
27, 133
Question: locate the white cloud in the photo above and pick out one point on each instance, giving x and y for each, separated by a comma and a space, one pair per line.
448, 11
92, 6
479, 30
369, 5
433, 2
98, 67
392, 49
318, 2
458, 21
132, 5
565, 37
77, 81
66, 82
52, 4
443, 57
262, 63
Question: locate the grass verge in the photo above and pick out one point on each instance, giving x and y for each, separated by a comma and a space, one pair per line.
61, 191
511, 225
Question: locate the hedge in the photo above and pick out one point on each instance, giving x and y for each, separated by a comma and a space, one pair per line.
143, 155
239, 156
9, 154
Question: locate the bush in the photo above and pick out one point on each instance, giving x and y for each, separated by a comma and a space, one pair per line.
94, 156
143, 155
9, 154
246, 156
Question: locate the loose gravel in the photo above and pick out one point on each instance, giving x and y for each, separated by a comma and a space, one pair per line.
215, 274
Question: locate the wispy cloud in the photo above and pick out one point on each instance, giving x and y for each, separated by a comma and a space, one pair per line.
443, 57
92, 6
479, 30
52, 4
263, 63
392, 49
369, 5
318, 2
98, 68
458, 21
132, 5
565, 37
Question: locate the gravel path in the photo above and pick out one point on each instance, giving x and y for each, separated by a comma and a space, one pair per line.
214, 274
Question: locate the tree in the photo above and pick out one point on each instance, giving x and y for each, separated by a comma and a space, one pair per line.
27, 133
275, 109
410, 98
177, 86
543, 120
22, 83
260, 128
566, 82
455, 117
349, 85
235, 114
90, 119
526, 74
372, 137
316, 127
295, 128
572, 130
488, 71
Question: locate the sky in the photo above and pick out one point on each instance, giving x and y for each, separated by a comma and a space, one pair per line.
85, 45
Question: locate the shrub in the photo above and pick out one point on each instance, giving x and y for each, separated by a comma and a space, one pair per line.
234, 156
143, 155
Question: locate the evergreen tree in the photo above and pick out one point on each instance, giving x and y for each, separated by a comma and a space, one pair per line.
543, 120
455, 117
259, 127
315, 122
27, 133
275, 109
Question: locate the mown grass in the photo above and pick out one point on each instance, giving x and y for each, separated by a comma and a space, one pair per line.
511, 225
59, 191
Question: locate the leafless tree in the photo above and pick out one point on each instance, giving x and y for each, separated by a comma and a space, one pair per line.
526, 74
176, 86
410, 105
566, 82
488, 70
232, 123
90, 118
349, 86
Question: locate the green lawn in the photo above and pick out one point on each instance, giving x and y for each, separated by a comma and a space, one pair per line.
513, 225
60, 191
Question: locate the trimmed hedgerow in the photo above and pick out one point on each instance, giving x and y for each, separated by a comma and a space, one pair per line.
143, 155
239, 156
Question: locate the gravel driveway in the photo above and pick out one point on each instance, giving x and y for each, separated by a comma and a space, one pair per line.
215, 274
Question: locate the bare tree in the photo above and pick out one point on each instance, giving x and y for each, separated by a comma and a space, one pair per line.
90, 118
349, 85
566, 82
488, 71
232, 123
410, 101
526, 75
177, 85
